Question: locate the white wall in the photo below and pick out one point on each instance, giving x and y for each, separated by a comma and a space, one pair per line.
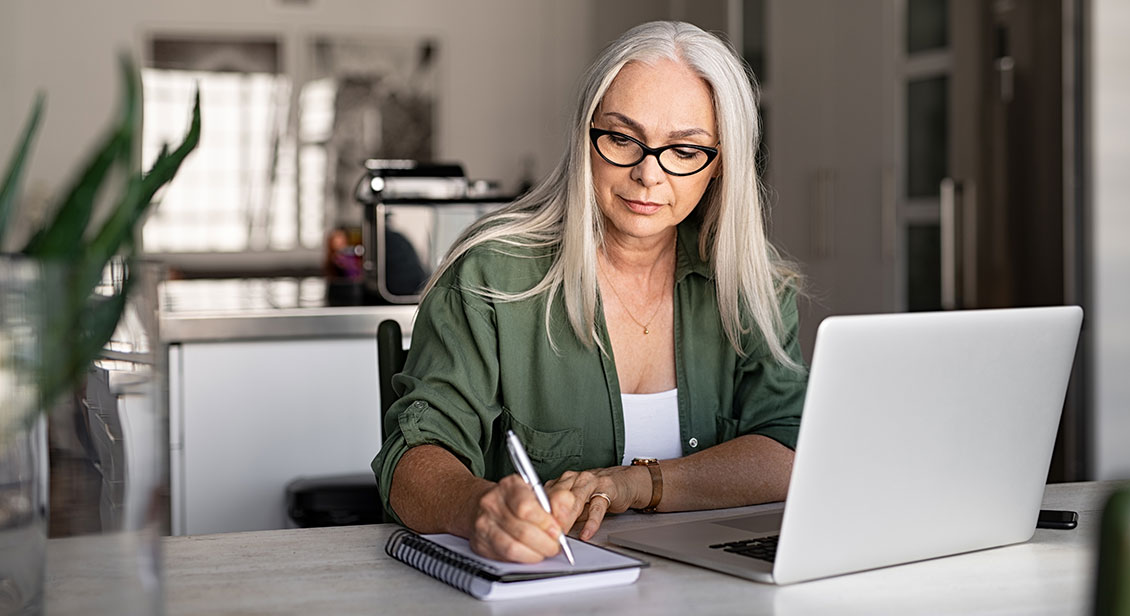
1110, 203
508, 66
8, 46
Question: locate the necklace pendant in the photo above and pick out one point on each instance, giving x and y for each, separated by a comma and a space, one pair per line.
645, 332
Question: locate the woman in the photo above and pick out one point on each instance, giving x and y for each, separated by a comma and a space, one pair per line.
628, 307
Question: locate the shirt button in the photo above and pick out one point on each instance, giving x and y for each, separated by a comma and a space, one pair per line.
693, 442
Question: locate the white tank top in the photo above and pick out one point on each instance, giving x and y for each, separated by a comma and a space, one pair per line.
651, 426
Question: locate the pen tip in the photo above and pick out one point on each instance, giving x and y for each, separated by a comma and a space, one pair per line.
566, 550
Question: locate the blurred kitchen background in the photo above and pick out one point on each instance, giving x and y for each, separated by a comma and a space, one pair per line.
921, 155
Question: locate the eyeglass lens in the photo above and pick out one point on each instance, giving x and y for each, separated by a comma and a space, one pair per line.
623, 151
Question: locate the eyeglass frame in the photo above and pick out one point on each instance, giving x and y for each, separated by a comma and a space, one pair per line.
596, 133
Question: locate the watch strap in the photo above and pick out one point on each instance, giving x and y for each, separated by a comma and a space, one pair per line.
652, 465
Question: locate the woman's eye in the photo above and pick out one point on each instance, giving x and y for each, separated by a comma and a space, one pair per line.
686, 153
619, 139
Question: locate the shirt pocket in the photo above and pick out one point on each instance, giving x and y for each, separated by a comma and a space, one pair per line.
552, 451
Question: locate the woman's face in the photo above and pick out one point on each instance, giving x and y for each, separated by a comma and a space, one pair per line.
659, 104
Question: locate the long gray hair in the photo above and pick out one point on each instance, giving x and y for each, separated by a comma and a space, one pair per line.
561, 212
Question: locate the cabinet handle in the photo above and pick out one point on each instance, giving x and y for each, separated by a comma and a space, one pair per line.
950, 233
1006, 72
968, 242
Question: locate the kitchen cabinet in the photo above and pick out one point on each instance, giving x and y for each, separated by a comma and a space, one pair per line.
254, 415
258, 398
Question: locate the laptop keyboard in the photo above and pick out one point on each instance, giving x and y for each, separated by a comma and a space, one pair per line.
764, 548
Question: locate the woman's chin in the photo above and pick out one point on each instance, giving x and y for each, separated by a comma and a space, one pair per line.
640, 227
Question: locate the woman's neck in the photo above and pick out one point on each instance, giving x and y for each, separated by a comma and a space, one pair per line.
640, 259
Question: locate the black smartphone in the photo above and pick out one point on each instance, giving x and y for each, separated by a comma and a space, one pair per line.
1060, 520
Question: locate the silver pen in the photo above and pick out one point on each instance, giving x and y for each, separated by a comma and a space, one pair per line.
525, 468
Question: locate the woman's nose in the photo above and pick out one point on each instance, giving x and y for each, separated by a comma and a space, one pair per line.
648, 172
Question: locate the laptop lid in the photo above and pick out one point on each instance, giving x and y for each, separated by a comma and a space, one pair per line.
924, 435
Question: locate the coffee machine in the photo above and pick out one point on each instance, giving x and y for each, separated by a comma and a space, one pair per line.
413, 213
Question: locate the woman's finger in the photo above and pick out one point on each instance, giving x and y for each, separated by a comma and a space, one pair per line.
511, 525
587, 509
527, 514
492, 541
598, 506
565, 481
522, 503
568, 496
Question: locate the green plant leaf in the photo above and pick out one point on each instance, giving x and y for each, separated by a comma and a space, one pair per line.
139, 195
100, 321
12, 179
74, 340
77, 320
63, 236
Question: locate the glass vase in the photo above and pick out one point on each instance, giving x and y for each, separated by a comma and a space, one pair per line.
83, 469
23, 439
108, 447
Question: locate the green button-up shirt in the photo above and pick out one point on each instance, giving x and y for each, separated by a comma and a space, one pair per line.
478, 367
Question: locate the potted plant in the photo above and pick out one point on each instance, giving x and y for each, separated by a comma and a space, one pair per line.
58, 310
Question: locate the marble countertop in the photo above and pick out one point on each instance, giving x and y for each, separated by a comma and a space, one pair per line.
344, 570
265, 308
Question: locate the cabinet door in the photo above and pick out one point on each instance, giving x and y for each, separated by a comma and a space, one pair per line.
254, 415
828, 133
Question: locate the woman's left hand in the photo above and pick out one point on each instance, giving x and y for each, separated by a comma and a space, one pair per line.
621, 487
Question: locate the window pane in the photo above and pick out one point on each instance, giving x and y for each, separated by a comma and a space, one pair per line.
927, 25
219, 200
924, 267
265, 176
927, 135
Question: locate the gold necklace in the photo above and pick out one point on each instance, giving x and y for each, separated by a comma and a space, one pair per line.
625, 305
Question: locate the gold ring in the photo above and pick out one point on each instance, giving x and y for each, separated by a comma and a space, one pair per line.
601, 495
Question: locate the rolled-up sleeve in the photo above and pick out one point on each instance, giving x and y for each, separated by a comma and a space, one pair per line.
770, 395
448, 388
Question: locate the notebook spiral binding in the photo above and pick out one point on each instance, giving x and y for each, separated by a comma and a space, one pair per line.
437, 561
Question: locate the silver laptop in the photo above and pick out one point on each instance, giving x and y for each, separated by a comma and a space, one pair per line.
911, 421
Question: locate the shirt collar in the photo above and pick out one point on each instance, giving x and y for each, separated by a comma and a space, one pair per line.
687, 260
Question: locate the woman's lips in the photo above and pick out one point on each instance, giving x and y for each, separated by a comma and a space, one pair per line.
642, 207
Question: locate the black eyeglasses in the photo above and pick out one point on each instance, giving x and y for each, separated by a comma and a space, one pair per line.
675, 159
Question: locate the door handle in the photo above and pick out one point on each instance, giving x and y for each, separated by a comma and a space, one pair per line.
950, 219
1006, 72
967, 258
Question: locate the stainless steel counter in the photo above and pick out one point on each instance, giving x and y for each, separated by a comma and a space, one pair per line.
265, 309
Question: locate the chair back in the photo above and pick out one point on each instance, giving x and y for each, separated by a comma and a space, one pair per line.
390, 360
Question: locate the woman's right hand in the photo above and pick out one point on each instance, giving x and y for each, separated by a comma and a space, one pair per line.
509, 523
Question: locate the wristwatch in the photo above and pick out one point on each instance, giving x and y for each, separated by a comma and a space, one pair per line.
652, 465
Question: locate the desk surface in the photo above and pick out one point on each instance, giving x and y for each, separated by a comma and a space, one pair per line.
345, 571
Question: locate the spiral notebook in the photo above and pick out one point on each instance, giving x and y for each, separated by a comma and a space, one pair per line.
449, 559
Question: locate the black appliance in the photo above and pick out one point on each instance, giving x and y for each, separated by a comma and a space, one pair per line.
413, 213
